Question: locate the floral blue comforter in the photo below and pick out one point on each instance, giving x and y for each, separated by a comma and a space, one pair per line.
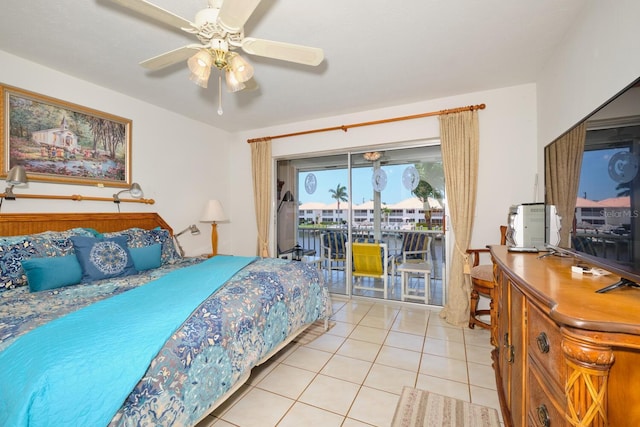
228, 334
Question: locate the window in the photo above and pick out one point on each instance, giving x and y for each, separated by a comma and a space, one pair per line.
344, 200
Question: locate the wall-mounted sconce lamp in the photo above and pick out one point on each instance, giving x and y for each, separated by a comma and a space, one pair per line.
135, 190
213, 212
16, 176
193, 229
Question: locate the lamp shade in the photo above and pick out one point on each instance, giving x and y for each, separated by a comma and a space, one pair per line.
199, 61
200, 66
213, 212
202, 78
242, 70
233, 84
17, 175
135, 190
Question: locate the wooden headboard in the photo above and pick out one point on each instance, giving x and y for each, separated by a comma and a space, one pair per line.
30, 223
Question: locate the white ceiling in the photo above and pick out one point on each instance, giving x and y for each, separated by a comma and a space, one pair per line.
377, 53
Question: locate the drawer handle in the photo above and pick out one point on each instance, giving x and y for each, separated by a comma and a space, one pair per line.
543, 342
543, 416
509, 351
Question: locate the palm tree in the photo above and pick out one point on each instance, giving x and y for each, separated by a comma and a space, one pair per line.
431, 184
423, 191
433, 173
386, 211
340, 194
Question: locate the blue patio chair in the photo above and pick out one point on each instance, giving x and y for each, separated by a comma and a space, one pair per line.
333, 250
416, 247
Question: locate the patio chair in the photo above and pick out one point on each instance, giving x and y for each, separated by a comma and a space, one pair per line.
370, 260
416, 247
333, 250
482, 283
583, 244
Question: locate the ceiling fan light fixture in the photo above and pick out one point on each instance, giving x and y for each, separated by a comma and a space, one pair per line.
220, 58
240, 67
201, 78
233, 83
219, 29
372, 156
199, 61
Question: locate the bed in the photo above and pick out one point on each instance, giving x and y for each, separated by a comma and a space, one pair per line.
163, 344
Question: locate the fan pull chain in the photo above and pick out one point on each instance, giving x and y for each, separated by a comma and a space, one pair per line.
220, 95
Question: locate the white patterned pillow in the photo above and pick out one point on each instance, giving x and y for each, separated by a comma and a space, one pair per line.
15, 249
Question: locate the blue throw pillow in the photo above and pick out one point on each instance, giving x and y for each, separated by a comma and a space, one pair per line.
147, 257
103, 258
52, 272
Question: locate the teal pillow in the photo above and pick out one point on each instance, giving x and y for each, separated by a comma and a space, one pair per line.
147, 257
103, 258
52, 272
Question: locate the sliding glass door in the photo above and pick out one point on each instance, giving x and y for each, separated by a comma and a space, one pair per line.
393, 198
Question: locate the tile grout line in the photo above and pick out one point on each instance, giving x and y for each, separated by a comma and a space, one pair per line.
387, 328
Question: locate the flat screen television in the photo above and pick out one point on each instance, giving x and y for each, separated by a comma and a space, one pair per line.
605, 230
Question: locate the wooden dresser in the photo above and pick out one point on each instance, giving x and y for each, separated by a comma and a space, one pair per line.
565, 355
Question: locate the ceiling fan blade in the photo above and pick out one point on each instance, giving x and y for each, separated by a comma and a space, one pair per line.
284, 51
171, 57
159, 14
234, 13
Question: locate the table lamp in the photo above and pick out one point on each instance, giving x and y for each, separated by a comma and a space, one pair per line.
213, 212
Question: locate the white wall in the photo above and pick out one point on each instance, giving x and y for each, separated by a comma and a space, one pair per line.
598, 58
178, 162
595, 61
507, 153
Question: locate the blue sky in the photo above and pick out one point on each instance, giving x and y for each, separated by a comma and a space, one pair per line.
594, 176
362, 189
595, 181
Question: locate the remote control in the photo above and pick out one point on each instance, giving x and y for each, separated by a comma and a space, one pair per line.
527, 250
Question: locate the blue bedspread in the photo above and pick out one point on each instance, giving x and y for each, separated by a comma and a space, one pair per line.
233, 330
49, 373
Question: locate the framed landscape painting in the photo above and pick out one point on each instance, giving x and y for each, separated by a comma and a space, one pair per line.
57, 141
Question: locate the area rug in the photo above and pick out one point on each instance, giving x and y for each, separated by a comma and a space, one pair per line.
313, 331
420, 408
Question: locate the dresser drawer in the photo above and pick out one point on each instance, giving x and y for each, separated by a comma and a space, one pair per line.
544, 345
543, 410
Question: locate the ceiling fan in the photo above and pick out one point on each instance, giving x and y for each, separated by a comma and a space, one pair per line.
219, 29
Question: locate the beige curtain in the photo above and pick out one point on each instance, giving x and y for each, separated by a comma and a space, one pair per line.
563, 160
261, 172
460, 147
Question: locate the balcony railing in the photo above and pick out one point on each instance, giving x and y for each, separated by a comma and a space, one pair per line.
309, 239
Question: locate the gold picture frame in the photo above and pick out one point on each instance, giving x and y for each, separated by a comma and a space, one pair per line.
57, 141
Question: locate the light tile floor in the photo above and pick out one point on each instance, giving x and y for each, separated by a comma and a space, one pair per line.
352, 375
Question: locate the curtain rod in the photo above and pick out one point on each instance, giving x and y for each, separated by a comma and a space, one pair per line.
78, 198
375, 122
